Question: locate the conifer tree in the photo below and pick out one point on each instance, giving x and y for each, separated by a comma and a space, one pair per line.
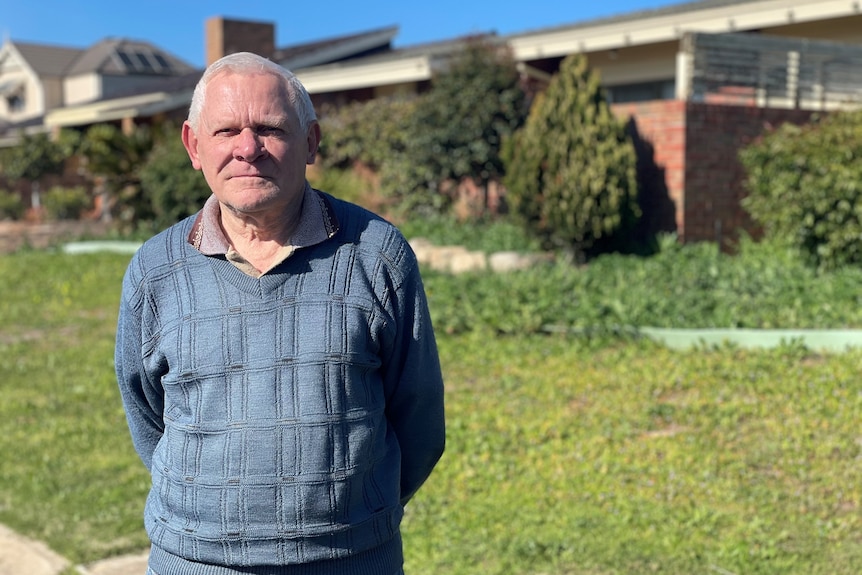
571, 170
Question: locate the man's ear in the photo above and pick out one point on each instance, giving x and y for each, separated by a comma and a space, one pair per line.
313, 140
190, 142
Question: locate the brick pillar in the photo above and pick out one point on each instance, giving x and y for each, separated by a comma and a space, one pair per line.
224, 36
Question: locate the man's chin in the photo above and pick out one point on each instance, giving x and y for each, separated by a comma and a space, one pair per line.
253, 200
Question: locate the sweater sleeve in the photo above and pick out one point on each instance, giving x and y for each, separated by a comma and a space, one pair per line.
140, 391
414, 383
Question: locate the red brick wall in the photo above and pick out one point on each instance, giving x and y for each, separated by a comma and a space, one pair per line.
658, 129
688, 163
714, 177
226, 36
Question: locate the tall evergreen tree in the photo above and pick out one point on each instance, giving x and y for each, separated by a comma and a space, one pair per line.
571, 170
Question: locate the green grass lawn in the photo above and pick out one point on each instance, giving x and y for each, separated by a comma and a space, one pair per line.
564, 456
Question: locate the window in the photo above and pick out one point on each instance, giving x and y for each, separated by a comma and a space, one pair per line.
143, 61
643, 92
15, 102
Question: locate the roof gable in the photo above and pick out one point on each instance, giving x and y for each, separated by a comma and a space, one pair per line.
119, 56
46, 60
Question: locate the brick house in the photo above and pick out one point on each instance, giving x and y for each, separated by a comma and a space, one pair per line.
696, 81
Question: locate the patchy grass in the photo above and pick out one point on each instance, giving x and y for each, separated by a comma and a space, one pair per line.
565, 456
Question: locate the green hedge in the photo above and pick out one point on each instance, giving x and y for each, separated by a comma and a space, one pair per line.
805, 187
694, 286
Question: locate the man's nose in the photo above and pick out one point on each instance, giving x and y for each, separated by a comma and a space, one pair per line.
249, 145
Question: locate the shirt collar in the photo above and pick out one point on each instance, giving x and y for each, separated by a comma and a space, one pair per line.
317, 223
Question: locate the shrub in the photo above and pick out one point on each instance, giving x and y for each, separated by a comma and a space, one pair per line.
417, 143
11, 206
805, 188
66, 203
171, 188
571, 169
346, 185
487, 235
113, 159
364, 132
764, 286
34, 156
457, 128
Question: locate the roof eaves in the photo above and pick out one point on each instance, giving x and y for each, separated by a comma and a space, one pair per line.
143, 105
669, 24
325, 52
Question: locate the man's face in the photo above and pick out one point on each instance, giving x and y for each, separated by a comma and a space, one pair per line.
249, 143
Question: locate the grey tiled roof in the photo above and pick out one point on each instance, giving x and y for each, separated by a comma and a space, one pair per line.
103, 58
48, 60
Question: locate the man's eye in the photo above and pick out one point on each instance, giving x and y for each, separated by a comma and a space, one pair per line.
269, 130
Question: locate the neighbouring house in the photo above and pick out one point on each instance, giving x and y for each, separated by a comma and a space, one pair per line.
696, 81
36, 80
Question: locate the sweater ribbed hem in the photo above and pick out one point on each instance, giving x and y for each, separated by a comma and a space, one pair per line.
384, 559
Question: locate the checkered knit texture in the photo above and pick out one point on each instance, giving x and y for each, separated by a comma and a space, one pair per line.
285, 419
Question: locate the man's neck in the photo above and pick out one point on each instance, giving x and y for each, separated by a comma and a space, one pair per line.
261, 238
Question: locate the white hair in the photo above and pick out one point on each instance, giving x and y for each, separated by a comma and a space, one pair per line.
248, 63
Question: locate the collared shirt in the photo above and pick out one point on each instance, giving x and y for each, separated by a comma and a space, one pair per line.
316, 224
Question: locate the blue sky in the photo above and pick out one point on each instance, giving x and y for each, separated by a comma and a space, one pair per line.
178, 26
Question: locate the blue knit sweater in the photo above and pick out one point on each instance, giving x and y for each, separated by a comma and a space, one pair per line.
285, 419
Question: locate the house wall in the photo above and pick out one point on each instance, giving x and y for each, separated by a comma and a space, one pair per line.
83, 88
13, 69
636, 64
691, 180
659, 132
53, 91
33, 100
713, 176
123, 85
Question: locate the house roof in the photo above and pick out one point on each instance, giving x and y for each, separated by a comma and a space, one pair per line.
47, 60
670, 10
413, 63
336, 48
120, 56
670, 23
170, 92
368, 60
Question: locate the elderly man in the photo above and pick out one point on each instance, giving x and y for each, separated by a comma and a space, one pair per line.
275, 354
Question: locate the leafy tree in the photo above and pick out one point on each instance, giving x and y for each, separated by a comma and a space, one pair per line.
365, 132
113, 159
458, 127
805, 188
570, 171
171, 187
36, 156
63, 203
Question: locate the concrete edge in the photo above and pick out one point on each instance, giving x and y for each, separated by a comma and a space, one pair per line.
832, 340
101, 246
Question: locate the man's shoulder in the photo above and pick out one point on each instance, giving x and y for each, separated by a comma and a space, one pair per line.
363, 227
374, 238
163, 249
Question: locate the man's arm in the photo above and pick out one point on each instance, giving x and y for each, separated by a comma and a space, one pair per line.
142, 397
414, 382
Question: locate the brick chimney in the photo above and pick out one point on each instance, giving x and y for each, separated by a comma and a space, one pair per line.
226, 36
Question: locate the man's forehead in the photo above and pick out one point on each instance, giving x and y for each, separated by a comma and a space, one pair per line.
246, 79
229, 90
